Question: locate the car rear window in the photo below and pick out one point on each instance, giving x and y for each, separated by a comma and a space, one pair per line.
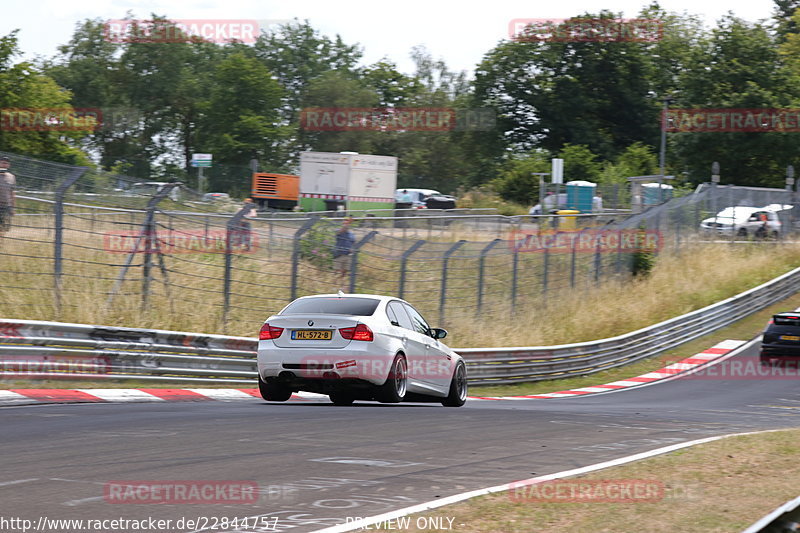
786, 320
332, 306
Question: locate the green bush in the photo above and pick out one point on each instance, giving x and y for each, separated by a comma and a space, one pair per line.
316, 245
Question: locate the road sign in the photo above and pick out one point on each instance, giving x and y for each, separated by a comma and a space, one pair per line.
557, 171
201, 160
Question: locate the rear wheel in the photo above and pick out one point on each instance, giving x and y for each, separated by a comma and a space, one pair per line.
458, 387
742, 232
273, 392
394, 390
342, 398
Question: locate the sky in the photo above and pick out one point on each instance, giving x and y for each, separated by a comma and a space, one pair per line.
460, 33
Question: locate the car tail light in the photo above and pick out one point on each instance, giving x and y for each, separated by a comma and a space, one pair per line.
269, 332
360, 332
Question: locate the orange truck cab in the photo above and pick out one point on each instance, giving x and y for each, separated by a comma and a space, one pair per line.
275, 191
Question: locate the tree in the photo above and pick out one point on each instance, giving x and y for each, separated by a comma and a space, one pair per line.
557, 92
23, 87
517, 182
240, 119
297, 54
580, 163
737, 66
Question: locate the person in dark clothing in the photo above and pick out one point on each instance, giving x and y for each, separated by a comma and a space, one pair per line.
345, 239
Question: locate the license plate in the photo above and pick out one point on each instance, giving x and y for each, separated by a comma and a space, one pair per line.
312, 335
790, 338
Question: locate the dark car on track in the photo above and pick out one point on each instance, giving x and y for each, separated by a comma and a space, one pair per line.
781, 340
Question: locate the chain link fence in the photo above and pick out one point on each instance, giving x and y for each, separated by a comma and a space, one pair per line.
86, 240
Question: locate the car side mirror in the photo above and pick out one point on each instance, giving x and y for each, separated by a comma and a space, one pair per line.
438, 333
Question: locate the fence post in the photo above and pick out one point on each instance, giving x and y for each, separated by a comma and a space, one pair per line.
354, 258
481, 267
597, 263
445, 261
146, 226
403, 261
296, 252
546, 267
58, 241
572, 260
239, 230
514, 269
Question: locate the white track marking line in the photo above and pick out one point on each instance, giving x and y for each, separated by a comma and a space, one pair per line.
12, 398
121, 395
18, 481
224, 394
427, 506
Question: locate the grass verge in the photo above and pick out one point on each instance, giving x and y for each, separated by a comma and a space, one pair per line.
744, 329
720, 486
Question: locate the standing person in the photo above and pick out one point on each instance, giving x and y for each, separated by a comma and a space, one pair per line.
597, 203
345, 239
8, 198
245, 226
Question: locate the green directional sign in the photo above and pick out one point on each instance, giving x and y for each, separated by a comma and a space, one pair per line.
201, 160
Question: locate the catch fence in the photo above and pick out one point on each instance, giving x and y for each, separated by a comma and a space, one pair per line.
84, 247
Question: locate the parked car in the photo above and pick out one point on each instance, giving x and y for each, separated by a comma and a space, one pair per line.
150, 188
743, 221
781, 338
216, 197
418, 196
357, 347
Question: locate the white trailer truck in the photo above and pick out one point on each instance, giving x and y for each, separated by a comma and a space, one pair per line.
355, 181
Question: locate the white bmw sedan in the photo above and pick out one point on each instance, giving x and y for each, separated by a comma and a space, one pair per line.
358, 347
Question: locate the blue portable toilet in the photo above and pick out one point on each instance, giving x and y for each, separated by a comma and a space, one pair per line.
580, 195
656, 193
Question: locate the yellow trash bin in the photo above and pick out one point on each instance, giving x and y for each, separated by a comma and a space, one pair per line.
568, 223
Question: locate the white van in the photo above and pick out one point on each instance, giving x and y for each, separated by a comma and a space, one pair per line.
744, 221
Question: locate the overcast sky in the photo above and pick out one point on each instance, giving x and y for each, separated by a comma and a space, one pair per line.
458, 32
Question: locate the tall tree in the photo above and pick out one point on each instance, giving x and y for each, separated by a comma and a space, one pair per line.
240, 119
737, 66
23, 87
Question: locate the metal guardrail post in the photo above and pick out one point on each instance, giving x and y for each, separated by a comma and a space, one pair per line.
443, 291
58, 241
354, 258
403, 262
296, 253
481, 269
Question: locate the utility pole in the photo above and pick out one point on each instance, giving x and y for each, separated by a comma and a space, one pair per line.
663, 153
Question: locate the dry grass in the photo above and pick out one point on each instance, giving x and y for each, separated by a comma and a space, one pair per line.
192, 299
679, 283
721, 486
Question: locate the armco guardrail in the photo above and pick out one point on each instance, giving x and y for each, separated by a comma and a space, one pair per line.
32, 349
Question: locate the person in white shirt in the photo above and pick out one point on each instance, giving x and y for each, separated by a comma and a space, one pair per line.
597, 203
7, 195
